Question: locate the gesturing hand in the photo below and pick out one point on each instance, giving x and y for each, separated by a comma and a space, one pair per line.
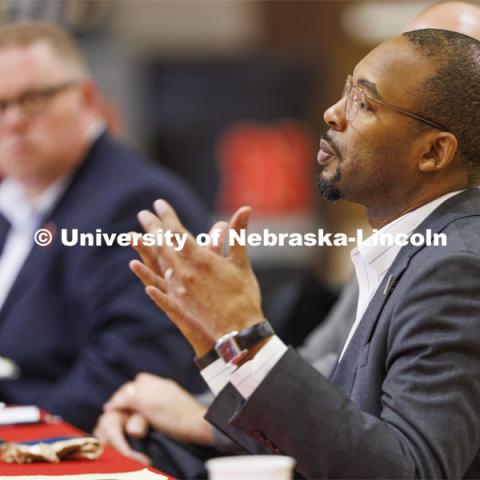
203, 292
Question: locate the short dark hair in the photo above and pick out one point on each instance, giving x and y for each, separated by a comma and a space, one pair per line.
451, 96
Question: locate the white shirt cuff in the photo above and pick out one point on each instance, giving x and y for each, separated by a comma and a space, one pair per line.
217, 375
248, 377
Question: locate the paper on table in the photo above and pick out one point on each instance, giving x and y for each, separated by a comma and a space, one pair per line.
144, 474
23, 414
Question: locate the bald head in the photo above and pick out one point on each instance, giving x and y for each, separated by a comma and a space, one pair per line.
458, 17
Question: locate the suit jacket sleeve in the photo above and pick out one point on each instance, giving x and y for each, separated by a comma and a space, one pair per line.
429, 421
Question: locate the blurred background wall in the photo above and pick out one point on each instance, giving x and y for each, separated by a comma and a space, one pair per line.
231, 94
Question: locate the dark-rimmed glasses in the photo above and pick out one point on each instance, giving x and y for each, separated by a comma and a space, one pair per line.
355, 95
33, 102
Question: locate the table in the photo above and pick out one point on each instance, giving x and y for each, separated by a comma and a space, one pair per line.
110, 462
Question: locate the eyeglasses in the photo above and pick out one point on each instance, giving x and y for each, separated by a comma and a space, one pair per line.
33, 102
355, 96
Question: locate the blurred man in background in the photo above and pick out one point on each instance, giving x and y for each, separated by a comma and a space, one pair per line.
136, 407
73, 320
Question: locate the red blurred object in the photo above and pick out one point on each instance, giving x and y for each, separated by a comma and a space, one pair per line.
267, 167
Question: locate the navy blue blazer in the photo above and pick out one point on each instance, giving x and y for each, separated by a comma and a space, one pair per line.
77, 321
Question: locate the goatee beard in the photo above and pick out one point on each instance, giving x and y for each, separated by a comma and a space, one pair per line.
327, 188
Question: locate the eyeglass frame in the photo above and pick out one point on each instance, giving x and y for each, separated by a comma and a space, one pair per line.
350, 86
47, 93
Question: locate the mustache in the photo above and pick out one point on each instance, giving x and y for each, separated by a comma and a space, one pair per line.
332, 144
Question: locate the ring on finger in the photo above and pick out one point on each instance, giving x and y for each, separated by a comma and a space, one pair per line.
168, 274
131, 389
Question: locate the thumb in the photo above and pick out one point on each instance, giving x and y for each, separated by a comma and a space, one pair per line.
238, 223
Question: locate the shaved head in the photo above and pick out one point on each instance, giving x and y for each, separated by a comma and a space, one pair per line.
461, 17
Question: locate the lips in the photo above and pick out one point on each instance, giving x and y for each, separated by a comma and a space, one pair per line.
325, 153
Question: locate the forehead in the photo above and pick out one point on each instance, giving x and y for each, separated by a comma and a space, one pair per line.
24, 67
396, 69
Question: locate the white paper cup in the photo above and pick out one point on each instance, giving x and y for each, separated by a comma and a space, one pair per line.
251, 467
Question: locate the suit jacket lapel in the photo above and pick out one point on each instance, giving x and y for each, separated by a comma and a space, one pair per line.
40, 256
345, 371
465, 204
37, 260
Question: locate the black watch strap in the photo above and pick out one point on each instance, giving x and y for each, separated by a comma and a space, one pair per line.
250, 336
206, 360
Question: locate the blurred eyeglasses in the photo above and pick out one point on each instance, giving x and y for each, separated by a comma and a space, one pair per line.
356, 97
34, 102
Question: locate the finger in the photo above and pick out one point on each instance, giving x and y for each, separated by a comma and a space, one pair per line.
137, 425
169, 217
124, 399
152, 276
146, 276
239, 221
110, 431
163, 252
218, 234
163, 302
148, 254
97, 430
150, 222
189, 328
141, 457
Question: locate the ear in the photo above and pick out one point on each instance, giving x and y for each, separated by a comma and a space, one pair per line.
102, 107
438, 152
90, 95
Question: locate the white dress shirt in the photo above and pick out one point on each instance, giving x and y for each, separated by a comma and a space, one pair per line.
371, 262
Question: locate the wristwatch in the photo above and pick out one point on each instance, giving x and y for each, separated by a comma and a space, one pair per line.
233, 346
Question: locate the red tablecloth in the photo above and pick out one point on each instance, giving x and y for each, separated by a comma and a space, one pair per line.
110, 461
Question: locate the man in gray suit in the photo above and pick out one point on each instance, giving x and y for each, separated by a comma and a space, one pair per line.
133, 414
402, 400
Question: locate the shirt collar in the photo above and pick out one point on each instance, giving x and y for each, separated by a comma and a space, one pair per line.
380, 257
95, 129
20, 210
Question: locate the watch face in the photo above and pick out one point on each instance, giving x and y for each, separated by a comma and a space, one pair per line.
233, 346
227, 347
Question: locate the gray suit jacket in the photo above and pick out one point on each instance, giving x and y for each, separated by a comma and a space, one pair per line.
404, 401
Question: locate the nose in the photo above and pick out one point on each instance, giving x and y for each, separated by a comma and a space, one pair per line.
334, 116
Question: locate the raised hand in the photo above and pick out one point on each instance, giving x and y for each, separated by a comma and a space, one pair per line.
203, 292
